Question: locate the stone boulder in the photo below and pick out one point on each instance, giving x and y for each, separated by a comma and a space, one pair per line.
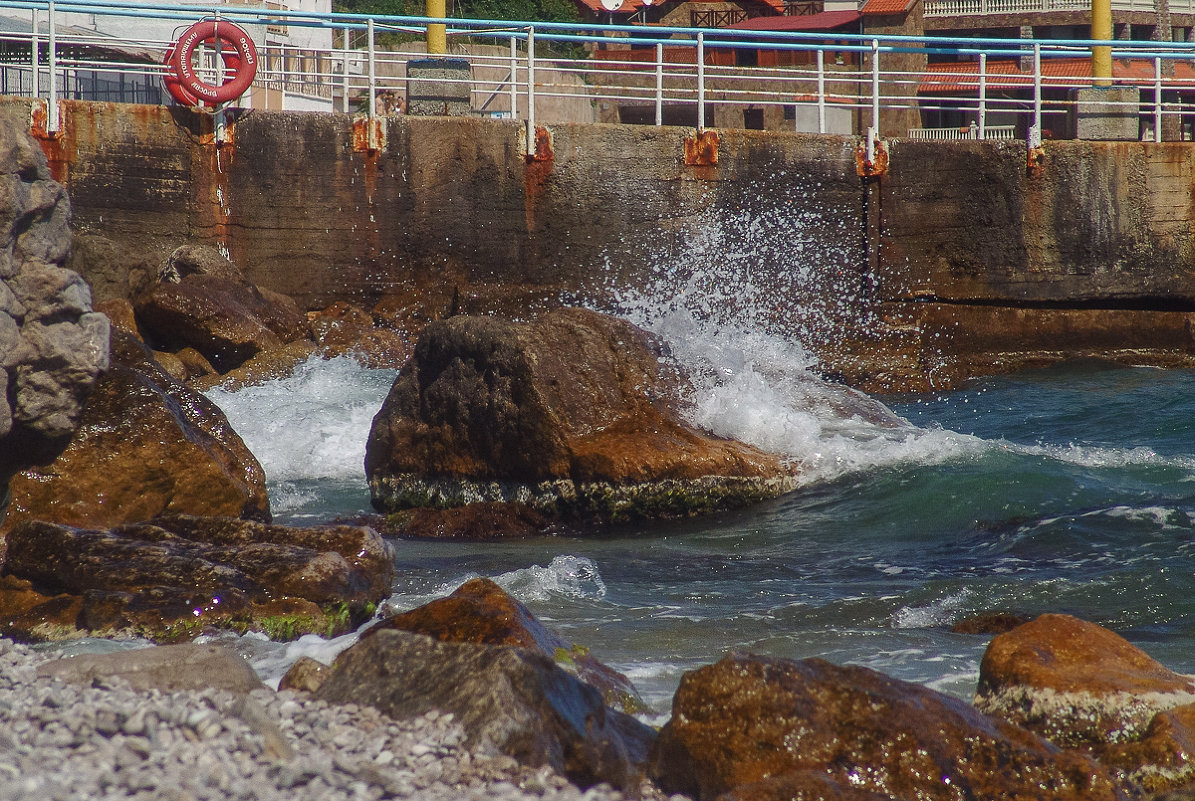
195, 259
481, 612
475, 522
113, 271
766, 728
507, 700
174, 577
574, 415
227, 320
53, 347
1082, 686
146, 446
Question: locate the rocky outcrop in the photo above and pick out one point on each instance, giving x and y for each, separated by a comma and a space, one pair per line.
481, 612
227, 320
765, 728
146, 446
508, 700
1082, 686
173, 577
574, 415
53, 347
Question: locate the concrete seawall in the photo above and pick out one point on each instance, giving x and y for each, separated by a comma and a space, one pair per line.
958, 261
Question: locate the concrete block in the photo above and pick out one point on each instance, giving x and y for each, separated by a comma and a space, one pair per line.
1107, 113
439, 87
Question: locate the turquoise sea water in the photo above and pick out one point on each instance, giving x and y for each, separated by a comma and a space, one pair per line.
1070, 489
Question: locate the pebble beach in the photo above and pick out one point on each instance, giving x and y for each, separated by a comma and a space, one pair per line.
108, 741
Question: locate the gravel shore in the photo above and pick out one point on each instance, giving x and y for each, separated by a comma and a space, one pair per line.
108, 741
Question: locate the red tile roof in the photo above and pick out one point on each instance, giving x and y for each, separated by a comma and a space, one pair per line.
886, 7
1056, 72
825, 21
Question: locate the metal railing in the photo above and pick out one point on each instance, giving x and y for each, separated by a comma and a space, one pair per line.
960, 8
879, 86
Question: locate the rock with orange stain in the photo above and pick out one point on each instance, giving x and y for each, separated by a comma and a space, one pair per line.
575, 415
480, 611
1076, 683
764, 728
146, 446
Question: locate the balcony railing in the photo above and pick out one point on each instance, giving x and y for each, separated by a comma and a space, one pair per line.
962, 8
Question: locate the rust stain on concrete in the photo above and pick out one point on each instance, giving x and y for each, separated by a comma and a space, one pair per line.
540, 164
701, 150
877, 167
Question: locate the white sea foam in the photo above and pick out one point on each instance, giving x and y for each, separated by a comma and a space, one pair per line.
566, 576
311, 425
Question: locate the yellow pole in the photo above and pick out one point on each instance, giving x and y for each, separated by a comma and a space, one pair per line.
437, 35
1101, 28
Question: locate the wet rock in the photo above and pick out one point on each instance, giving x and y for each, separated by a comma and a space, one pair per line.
226, 320
474, 522
268, 366
574, 415
989, 623
113, 271
32, 616
195, 259
1076, 683
305, 675
759, 727
146, 446
346, 330
481, 612
507, 700
1164, 756
120, 315
174, 576
53, 347
168, 668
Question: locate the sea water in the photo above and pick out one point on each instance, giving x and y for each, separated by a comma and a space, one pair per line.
1069, 489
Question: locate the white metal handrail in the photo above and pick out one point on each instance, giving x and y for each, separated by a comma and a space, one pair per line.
984, 83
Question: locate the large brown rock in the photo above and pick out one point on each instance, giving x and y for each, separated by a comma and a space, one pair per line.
481, 612
760, 727
146, 446
1082, 686
1076, 683
508, 700
343, 329
573, 415
227, 320
53, 347
175, 576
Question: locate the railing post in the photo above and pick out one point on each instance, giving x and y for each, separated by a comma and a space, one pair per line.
52, 97
983, 95
1157, 99
659, 83
373, 73
514, 78
344, 101
35, 89
821, 91
1037, 92
873, 132
531, 91
700, 81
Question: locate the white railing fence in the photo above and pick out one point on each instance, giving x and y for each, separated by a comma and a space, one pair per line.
884, 86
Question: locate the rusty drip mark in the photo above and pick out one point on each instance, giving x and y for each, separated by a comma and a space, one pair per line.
542, 151
701, 150
1035, 161
369, 136
52, 142
877, 167
539, 168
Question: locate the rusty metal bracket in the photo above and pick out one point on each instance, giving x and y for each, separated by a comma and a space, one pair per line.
540, 146
701, 149
871, 157
39, 122
369, 134
1035, 153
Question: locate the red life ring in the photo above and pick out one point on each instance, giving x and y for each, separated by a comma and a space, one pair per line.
232, 62
244, 57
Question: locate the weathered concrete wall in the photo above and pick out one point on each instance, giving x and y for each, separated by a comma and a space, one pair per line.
880, 276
